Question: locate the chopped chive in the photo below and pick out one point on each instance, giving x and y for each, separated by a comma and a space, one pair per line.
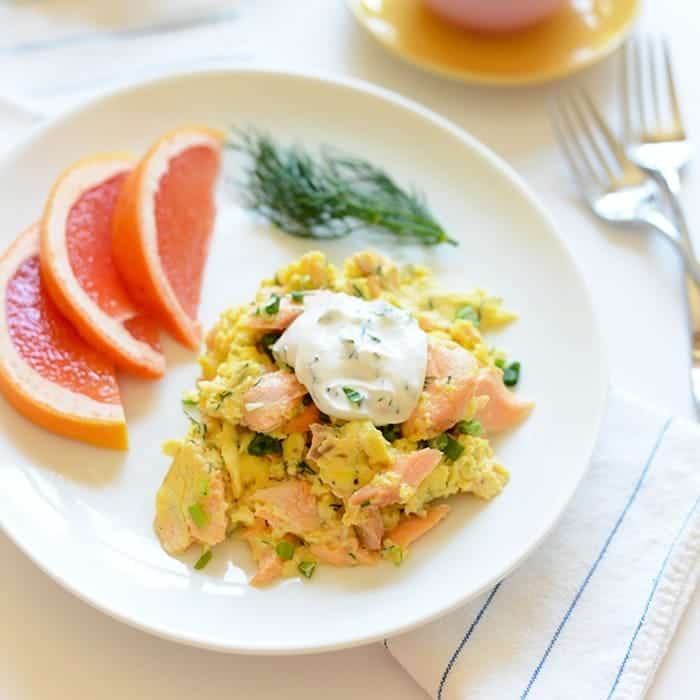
263, 444
267, 341
203, 560
440, 442
391, 432
469, 427
297, 297
199, 517
221, 397
500, 363
304, 468
365, 504
511, 374
273, 305
468, 313
189, 402
285, 550
357, 291
448, 446
307, 568
353, 396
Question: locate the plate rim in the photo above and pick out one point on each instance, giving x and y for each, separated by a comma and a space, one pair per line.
467, 77
495, 162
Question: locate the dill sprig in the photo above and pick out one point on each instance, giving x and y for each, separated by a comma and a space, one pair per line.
330, 195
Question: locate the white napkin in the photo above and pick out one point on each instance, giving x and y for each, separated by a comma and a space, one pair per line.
52, 53
590, 615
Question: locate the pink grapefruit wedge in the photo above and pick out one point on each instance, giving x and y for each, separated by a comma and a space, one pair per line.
162, 226
79, 271
47, 371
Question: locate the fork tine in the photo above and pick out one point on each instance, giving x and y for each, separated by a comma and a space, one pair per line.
613, 144
671, 86
627, 60
654, 80
585, 128
572, 147
639, 80
556, 117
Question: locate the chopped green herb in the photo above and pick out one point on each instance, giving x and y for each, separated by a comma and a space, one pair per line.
394, 554
469, 427
199, 517
297, 297
189, 402
357, 291
304, 468
353, 396
273, 305
391, 432
285, 550
263, 444
374, 338
500, 363
441, 442
469, 313
511, 374
365, 504
221, 397
267, 341
307, 568
453, 450
203, 560
448, 446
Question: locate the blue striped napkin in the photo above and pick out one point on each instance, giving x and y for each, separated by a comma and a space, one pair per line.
590, 615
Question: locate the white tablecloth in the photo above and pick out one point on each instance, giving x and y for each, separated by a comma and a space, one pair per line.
55, 646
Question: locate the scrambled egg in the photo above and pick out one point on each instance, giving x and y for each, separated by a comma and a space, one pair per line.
260, 462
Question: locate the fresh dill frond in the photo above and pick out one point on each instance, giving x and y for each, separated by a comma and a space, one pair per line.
329, 195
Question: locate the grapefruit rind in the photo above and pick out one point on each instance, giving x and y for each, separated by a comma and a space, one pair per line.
104, 332
135, 232
45, 403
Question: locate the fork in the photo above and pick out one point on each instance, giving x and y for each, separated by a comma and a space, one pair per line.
657, 142
616, 189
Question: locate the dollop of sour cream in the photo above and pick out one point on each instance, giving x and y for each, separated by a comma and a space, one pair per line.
358, 359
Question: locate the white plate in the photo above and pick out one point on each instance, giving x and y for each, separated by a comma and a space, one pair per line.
84, 515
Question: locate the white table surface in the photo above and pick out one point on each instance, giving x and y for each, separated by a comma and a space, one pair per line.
55, 646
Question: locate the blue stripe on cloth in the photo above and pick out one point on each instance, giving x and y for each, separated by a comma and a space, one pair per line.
601, 554
655, 585
465, 639
175, 25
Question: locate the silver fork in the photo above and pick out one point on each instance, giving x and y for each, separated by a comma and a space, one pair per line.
615, 188
657, 142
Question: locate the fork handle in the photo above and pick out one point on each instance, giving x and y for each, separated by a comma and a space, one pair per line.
680, 242
670, 181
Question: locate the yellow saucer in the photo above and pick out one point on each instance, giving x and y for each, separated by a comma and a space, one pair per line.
582, 32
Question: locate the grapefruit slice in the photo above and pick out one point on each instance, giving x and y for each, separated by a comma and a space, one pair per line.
47, 371
79, 272
162, 226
